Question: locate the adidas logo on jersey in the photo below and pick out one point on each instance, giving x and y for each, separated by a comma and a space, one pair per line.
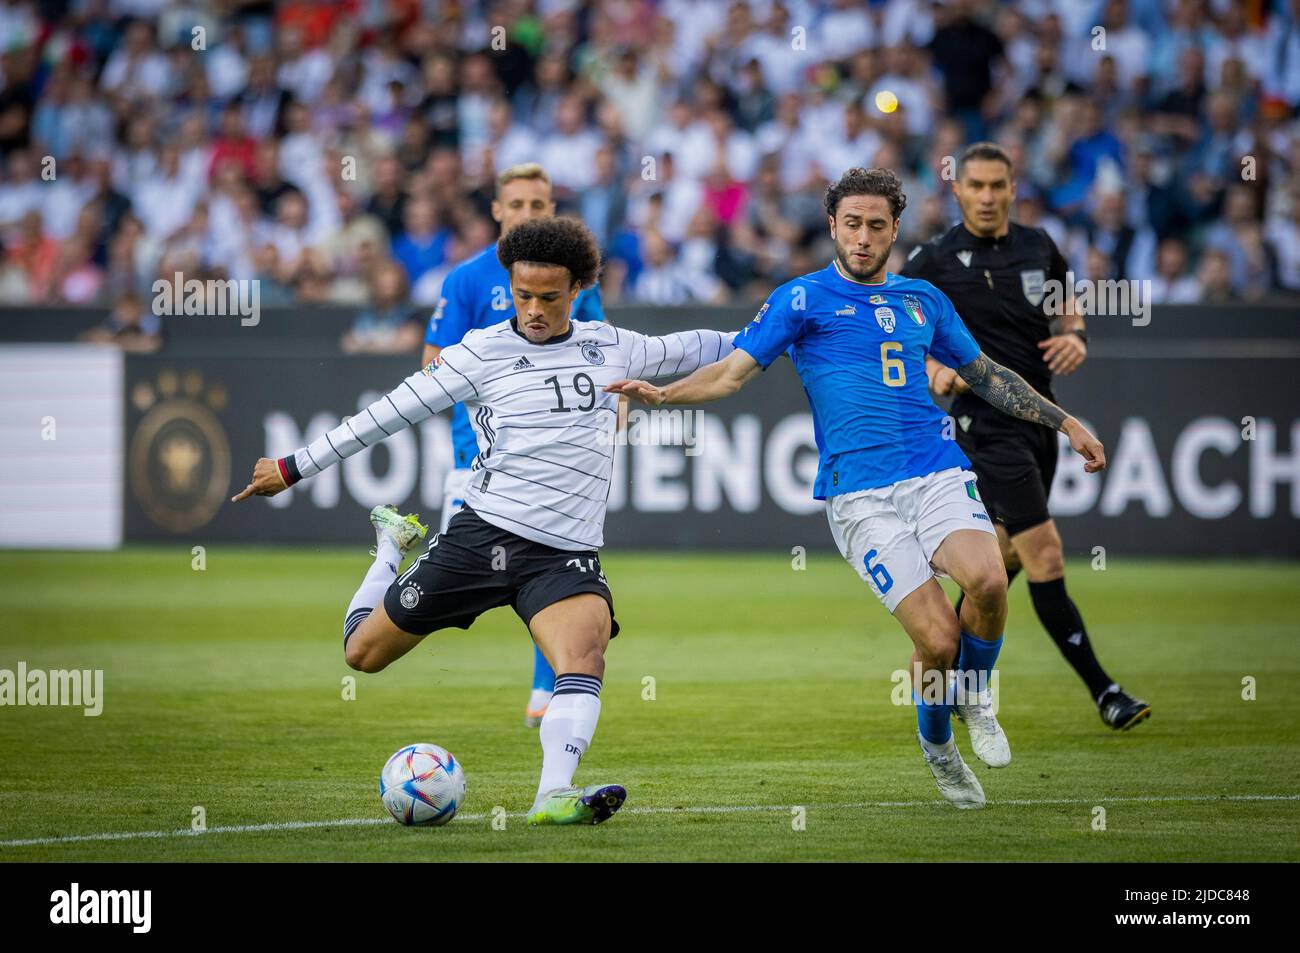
523, 364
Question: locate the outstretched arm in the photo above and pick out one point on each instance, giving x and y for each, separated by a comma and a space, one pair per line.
421, 395
1007, 391
710, 382
671, 354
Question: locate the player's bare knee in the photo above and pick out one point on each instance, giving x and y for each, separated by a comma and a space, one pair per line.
588, 660
362, 658
987, 588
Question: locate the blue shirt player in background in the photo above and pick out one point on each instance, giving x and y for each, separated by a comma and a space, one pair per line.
900, 497
476, 294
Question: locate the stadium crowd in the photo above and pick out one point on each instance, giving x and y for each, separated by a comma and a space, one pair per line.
344, 151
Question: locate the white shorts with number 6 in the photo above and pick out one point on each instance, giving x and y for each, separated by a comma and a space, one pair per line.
889, 534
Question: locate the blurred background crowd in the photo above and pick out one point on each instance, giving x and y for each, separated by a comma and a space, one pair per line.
344, 151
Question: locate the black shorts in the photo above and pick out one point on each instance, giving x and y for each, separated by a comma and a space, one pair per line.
1014, 461
475, 566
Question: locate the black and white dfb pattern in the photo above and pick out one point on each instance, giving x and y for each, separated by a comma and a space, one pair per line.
545, 429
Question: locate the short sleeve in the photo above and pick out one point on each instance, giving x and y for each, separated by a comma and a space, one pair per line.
451, 319
777, 325
1056, 265
952, 344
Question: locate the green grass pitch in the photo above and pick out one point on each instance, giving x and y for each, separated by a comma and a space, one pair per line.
224, 690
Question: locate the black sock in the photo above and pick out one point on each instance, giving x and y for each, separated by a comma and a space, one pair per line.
961, 596
1060, 617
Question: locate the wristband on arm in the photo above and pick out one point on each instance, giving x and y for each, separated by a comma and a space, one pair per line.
289, 470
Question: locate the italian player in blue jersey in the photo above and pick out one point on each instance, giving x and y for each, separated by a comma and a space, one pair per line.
900, 497
476, 294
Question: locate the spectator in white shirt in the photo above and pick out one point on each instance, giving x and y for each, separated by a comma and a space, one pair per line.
569, 153
226, 66
1283, 232
665, 281
788, 137
289, 232
633, 88
136, 68
165, 201
783, 65
303, 73
1174, 282
856, 146
508, 143
844, 30
20, 191
905, 77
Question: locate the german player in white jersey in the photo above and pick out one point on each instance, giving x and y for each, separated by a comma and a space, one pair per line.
534, 511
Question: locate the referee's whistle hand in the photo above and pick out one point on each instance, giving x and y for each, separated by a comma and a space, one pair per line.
1064, 353
1085, 445
266, 481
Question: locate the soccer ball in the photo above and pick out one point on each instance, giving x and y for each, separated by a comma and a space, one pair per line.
422, 786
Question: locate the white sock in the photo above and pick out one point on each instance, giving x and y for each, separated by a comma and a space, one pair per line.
936, 750
566, 729
378, 578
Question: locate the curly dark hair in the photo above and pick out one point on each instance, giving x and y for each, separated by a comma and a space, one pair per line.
553, 241
858, 181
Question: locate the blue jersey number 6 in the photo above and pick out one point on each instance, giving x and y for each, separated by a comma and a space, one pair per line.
879, 574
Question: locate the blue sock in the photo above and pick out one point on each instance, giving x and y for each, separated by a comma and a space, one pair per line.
933, 721
978, 655
543, 674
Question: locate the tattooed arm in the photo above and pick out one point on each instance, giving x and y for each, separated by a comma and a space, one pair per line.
1007, 391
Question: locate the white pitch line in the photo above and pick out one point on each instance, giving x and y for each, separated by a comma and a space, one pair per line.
710, 809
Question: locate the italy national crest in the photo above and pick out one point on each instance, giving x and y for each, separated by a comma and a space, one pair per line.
913, 306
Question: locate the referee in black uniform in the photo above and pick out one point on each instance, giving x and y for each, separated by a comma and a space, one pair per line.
995, 272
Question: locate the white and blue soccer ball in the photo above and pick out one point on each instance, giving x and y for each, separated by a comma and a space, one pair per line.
422, 786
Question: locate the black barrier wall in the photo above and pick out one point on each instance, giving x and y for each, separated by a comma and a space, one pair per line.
1203, 435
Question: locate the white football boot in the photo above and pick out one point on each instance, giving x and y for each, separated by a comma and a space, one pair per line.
987, 739
956, 781
404, 531
538, 701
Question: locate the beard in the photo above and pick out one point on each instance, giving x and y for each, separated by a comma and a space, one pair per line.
860, 272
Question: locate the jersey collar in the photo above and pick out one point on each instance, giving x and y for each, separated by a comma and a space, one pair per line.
558, 339
835, 266
968, 239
